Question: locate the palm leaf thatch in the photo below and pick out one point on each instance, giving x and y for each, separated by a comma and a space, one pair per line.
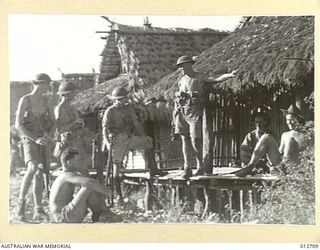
96, 98
149, 53
274, 52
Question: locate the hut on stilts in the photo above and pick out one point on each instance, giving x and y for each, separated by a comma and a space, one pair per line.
274, 57
137, 58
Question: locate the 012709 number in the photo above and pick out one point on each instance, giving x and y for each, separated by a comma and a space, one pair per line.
309, 245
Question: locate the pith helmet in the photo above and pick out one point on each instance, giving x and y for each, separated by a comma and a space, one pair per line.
293, 110
66, 88
42, 78
119, 93
185, 59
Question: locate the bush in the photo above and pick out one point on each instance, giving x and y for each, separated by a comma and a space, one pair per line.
292, 199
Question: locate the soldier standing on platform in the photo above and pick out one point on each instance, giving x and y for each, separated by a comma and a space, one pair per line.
189, 109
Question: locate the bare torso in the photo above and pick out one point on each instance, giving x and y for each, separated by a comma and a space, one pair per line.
65, 114
61, 193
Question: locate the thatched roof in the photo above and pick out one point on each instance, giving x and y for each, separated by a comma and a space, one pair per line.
275, 52
96, 98
149, 53
136, 57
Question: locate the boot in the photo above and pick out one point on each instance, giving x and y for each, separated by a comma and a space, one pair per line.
187, 173
40, 214
20, 210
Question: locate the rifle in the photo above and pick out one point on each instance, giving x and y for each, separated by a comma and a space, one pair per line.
109, 180
96, 157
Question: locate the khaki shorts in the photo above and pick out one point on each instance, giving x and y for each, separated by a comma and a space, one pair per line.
32, 151
124, 143
69, 214
188, 122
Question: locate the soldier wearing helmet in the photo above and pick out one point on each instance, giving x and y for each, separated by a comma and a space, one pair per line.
189, 109
122, 128
69, 123
294, 140
35, 123
259, 150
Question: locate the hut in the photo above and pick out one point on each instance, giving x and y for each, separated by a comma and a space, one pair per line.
138, 57
149, 53
81, 80
274, 57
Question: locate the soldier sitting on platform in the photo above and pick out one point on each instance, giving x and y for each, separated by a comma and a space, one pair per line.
122, 129
294, 140
259, 149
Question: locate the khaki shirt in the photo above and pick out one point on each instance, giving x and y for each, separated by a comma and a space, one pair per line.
121, 120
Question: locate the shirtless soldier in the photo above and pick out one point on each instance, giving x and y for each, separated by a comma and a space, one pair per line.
67, 207
35, 122
294, 140
69, 124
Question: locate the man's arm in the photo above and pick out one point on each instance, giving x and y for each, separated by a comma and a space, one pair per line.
22, 107
282, 143
89, 183
245, 151
105, 126
221, 78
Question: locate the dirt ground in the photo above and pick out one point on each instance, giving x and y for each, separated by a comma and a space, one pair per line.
15, 182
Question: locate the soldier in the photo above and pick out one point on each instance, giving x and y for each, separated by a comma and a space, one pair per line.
189, 109
259, 150
122, 129
294, 140
35, 123
66, 206
69, 125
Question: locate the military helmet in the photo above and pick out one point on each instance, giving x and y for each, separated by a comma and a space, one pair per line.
119, 93
294, 110
42, 78
66, 88
185, 59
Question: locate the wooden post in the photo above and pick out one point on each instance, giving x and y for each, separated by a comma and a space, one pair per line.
241, 205
147, 200
207, 129
208, 202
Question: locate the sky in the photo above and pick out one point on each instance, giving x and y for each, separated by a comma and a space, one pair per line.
47, 43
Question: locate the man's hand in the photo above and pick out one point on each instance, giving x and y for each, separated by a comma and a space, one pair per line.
233, 73
43, 141
111, 137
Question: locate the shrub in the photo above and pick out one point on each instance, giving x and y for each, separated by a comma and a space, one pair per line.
292, 199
